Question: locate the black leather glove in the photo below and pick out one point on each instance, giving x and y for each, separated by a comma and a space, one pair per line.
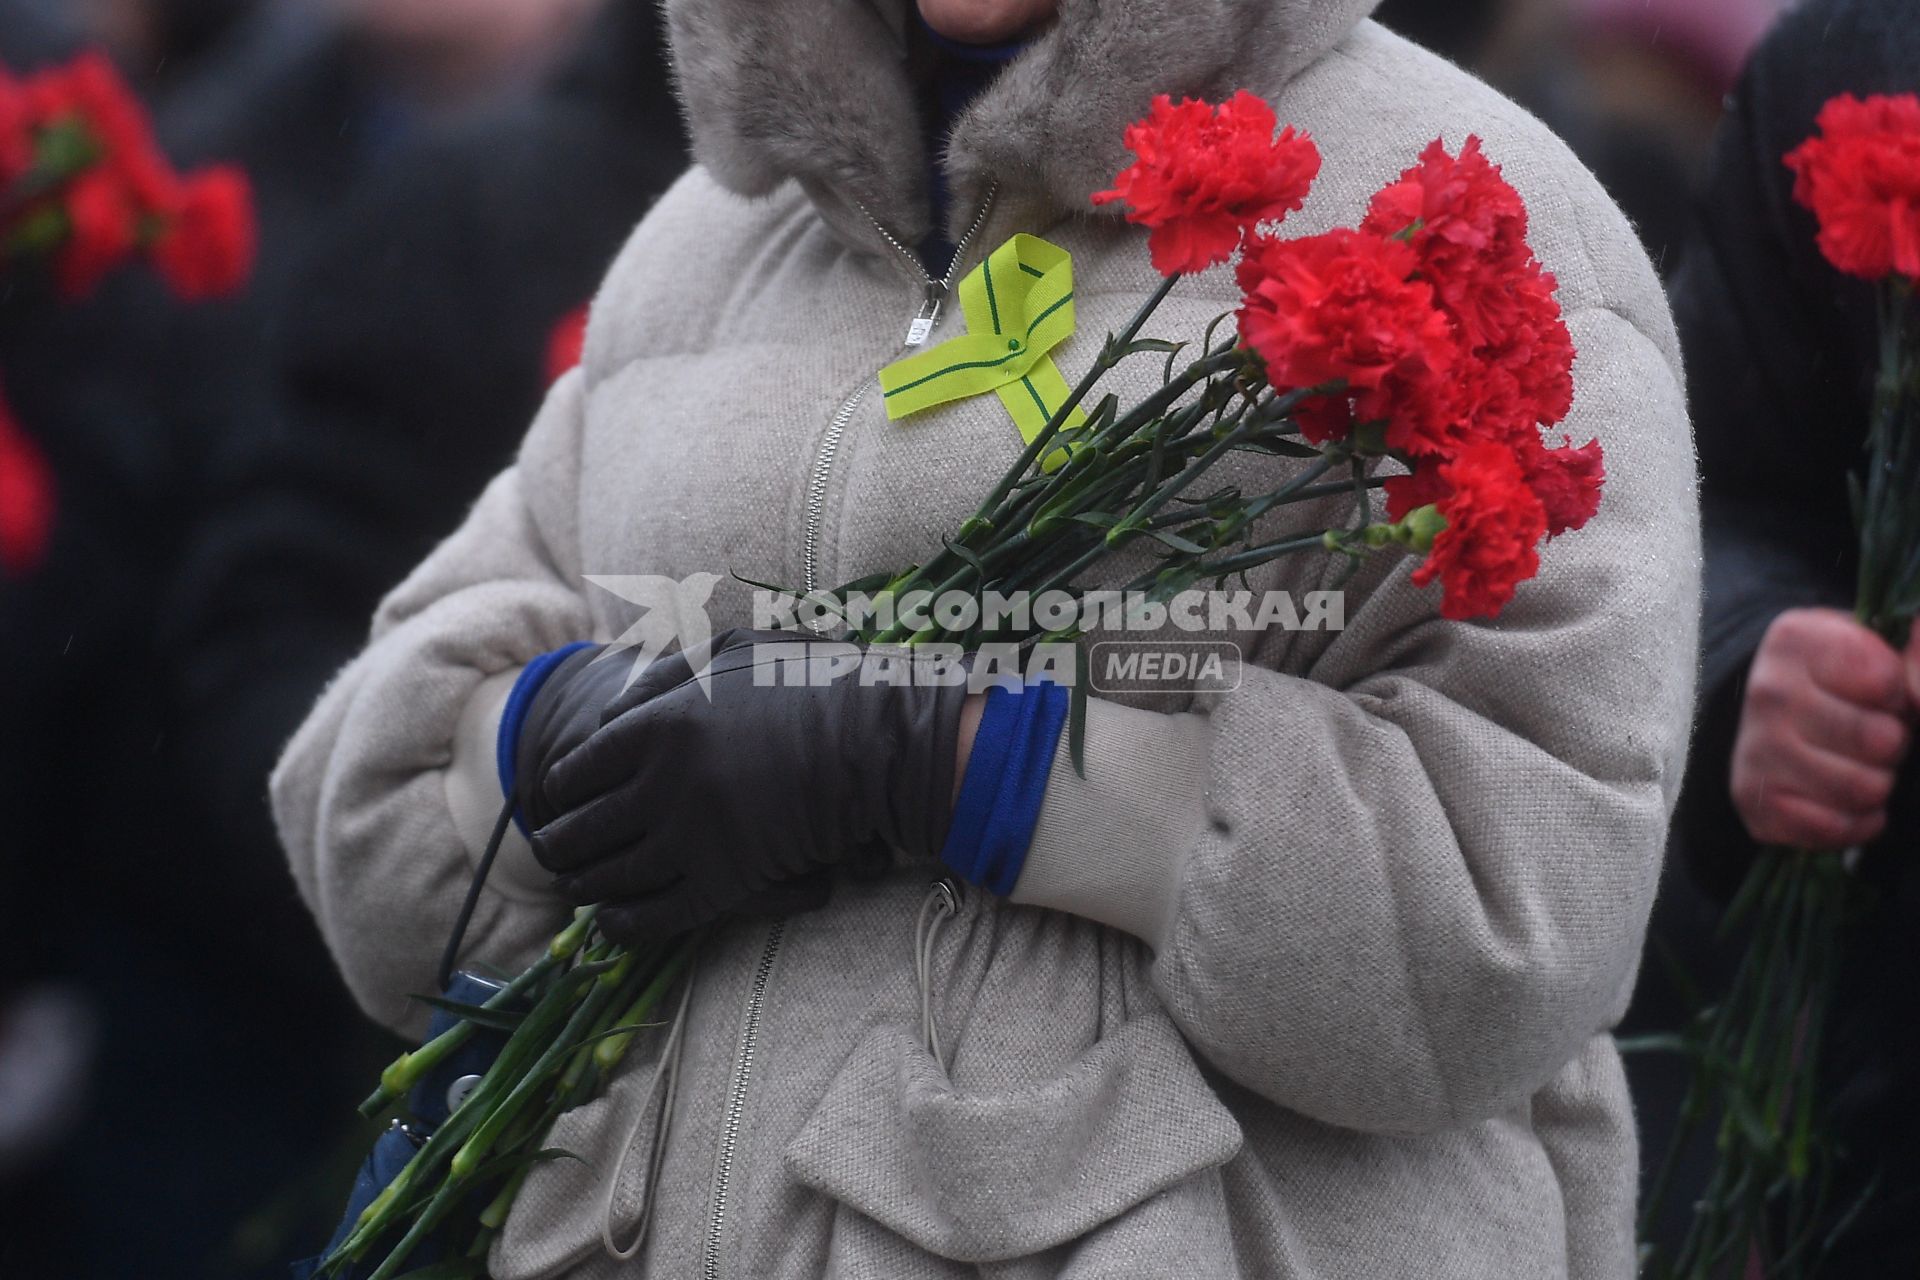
570, 706
696, 791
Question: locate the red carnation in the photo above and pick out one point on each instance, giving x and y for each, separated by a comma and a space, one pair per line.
1206, 177
567, 344
1494, 528
1861, 178
93, 89
207, 248
26, 499
103, 231
1463, 217
1469, 227
1340, 307
1566, 480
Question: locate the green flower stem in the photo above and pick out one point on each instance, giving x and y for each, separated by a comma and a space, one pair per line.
410, 1068
1758, 1057
1254, 557
1108, 358
443, 1201
1173, 488
534, 1032
494, 1216
608, 1052
569, 940
1097, 485
1316, 492
468, 1158
993, 512
1120, 534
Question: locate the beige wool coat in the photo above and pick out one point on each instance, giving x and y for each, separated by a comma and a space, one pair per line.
1311, 980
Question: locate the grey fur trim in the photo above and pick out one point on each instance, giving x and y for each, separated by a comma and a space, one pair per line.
817, 90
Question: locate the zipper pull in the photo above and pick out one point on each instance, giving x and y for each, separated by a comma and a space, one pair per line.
922, 327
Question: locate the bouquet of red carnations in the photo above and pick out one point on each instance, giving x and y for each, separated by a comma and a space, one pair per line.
1420, 354
84, 188
1756, 1054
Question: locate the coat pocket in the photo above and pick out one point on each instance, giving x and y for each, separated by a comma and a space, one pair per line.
989, 1177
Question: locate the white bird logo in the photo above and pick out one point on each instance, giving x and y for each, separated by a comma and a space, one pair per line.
670, 610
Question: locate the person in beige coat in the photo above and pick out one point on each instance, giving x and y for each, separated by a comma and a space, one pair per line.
1311, 980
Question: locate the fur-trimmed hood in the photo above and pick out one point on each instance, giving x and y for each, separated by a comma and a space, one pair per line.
817, 90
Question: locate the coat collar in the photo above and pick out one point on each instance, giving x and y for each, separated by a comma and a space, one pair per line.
817, 91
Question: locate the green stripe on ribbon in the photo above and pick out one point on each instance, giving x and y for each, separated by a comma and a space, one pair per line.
1018, 306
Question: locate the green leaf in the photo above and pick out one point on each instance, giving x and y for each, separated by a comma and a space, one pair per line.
969, 557
1280, 447
1213, 325
767, 586
1104, 412
1217, 502
1168, 538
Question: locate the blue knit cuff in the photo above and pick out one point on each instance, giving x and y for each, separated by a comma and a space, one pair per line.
506, 748
1006, 783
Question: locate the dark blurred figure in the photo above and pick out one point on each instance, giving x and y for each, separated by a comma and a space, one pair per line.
404, 372
414, 260
1781, 356
1457, 30
160, 42
1634, 86
409, 370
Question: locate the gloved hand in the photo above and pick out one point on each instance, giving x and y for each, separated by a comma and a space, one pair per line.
691, 796
566, 709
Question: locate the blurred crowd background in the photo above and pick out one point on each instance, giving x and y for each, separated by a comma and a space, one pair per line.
440, 184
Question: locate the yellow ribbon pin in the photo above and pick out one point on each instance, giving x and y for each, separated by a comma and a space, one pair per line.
1018, 306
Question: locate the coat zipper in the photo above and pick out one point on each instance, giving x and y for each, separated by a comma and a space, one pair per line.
737, 1099
918, 331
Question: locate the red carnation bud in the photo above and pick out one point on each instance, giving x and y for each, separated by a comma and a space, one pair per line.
1205, 178
207, 248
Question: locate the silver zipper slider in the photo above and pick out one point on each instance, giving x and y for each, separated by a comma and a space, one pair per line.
922, 327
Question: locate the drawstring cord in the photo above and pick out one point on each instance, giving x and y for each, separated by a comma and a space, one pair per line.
450, 955
665, 1073
667, 1070
941, 905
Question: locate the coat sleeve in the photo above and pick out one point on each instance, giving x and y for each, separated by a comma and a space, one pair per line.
385, 796
1400, 891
